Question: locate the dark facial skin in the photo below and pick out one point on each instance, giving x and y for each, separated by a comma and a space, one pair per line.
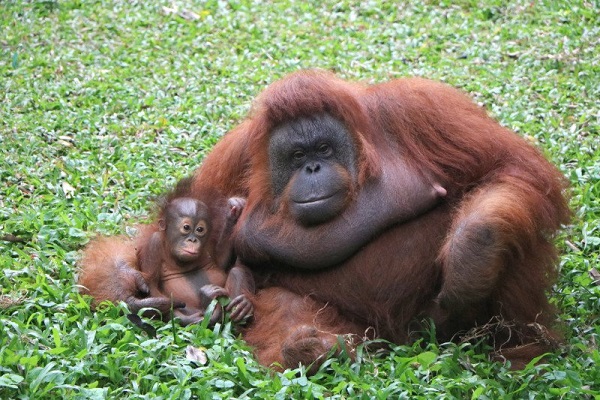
313, 168
187, 226
315, 156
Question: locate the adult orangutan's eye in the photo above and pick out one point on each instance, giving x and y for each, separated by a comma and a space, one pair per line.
298, 155
325, 149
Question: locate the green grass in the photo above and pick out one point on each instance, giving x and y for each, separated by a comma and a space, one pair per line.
104, 104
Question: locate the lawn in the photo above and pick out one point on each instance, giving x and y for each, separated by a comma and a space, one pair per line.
106, 104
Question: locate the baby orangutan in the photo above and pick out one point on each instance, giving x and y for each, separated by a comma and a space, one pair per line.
176, 261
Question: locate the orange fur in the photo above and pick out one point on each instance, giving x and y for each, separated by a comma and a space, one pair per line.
310, 326
486, 251
498, 185
99, 266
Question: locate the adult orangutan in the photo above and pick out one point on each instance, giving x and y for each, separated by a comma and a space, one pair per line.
385, 204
